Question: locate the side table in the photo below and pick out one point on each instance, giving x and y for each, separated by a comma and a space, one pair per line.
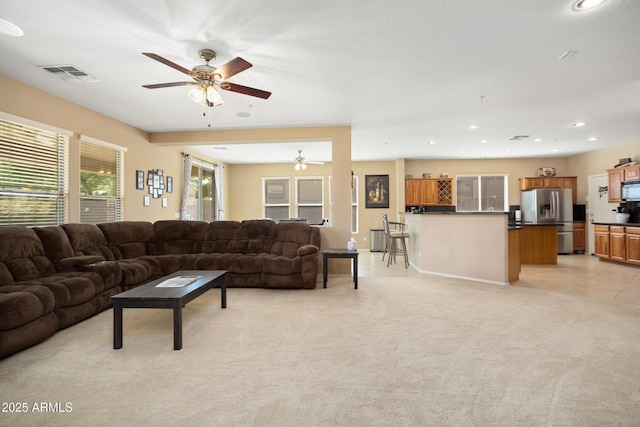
339, 253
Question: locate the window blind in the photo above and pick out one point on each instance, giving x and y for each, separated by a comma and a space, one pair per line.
101, 169
33, 175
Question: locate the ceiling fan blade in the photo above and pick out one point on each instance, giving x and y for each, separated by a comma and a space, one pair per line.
160, 85
245, 90
232, 68
167, 62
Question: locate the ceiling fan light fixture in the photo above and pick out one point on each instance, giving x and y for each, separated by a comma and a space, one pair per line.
213, 96
198, 94
300, 166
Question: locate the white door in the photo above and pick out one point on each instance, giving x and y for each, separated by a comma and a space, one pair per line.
598, 207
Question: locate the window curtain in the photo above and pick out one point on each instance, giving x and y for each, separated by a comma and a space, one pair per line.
219, 192
186, 179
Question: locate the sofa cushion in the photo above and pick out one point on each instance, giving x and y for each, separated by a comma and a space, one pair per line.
221, 236
55, 242
21, 304
179, 237
128, 239
88, 239
289, 236
24, 258
254, 236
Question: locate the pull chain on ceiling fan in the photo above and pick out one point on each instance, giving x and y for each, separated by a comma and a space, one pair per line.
207, 79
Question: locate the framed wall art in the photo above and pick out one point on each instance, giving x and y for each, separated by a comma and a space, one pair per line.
376, 191
139, 180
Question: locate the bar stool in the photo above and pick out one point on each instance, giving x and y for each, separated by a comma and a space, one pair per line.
395, 232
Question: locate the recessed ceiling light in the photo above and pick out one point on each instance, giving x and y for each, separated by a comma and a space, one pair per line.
593, 138
537, 140
581, 5
474, 127
484, 141
463, 152
578, 124
431, 142
10, 29
555, 150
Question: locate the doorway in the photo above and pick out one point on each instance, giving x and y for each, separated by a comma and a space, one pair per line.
598, 207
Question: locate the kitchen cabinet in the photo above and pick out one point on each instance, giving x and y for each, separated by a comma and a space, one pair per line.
631, 173
617, 243
579, 244
428, 192
614, 193
412, 192
617, 177
633, 244
601, 241
530, 183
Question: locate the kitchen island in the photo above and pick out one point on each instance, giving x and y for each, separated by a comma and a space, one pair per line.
481, 246
467, 245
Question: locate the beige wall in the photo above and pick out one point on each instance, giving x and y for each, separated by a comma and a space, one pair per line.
17, 99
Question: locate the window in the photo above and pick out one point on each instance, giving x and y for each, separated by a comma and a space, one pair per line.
275, 198
482, 193
101, 173
310, 199
201, 198
33, 175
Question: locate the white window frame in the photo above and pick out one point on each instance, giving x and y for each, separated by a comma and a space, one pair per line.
12, 192
478, 207
265, 205
117, 200
209, 167
298, 204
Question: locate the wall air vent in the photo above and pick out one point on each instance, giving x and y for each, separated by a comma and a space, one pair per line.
70, 73
518, 137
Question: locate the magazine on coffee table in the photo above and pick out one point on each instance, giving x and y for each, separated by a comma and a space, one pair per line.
177, 282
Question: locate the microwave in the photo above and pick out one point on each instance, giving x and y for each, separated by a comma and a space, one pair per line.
631, 190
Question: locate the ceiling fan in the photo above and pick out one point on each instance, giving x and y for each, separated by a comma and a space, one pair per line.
302, 162
206, 79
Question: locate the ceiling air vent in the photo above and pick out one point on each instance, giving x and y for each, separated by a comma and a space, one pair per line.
70, 73
518, 137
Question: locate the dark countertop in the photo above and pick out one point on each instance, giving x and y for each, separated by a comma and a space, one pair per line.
629, 224
456, 213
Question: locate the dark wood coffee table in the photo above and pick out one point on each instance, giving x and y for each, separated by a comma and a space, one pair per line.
151, 295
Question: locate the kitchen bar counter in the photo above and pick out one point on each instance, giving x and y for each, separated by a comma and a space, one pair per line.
472, 246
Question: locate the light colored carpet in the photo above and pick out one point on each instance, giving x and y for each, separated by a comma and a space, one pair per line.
410, 351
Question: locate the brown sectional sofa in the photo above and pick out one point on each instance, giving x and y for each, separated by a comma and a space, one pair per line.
53, 277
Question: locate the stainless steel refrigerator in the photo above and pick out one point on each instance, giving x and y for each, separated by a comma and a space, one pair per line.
550, 206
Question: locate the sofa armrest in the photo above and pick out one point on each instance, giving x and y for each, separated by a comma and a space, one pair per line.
77, 263
307, 250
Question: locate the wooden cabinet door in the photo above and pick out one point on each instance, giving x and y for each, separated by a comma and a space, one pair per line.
616, 176
531, 183
633, 244
579, 237
632, 173
428, 192
617, 243
412, 192
601, 241
553, 182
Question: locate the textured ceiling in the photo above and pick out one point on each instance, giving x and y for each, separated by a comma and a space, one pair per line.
400, 72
